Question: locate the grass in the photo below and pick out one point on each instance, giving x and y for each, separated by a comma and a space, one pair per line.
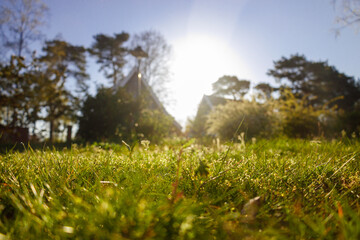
307, 189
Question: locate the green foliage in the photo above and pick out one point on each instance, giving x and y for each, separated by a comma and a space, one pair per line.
307, 189
108, 116
256, 119
63, 60
155, 125
265, 91
298, 118
318, 100
347, 121
60, 62
110, 54
317, 80
231, 86
116, 116
196, 127
19, 93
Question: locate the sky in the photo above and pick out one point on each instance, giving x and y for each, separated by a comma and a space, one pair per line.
212, 38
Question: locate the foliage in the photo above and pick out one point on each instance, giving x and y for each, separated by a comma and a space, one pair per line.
265, 91
108, 116
20, 21
308, 190
319, 81
37, 90
347, 121
155, 125
231, 86
196, 127
254, 119
117, 116
110, 54
61, 61
298, 118
19, 98
53, 86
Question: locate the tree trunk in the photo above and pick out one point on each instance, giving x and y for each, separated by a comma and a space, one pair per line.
68, 138
51, 131
21, 43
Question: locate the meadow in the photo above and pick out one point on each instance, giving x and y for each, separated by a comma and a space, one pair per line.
268, 189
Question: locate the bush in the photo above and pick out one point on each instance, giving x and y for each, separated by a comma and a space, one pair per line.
347, 121
116, 116
256, 119
109, 116
298, 118
154, 125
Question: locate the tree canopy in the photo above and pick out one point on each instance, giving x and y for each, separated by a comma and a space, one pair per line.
20, 22
110, 53
265, 90
231, 86
18, 93
317, 79
61, 61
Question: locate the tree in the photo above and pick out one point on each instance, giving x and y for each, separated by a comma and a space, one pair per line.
293, 70
108, 116
110, 54
317, 80
299, 118
350, 13
155, 68
114, 115
61, 61
20, 21
265, 90
231, 86
18, 92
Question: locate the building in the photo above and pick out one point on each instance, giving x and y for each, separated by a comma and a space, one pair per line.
136, 86
13, 134
208, 103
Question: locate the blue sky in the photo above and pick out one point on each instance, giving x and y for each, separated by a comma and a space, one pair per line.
213, 38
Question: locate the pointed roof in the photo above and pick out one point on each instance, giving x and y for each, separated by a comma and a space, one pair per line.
212, 100
133, 76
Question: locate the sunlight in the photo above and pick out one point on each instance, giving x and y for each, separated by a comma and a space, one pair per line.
199, 61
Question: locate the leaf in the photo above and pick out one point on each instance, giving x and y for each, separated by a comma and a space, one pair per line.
188, 143
202, 170
127, 145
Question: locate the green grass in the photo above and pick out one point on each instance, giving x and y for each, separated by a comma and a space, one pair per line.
308, 190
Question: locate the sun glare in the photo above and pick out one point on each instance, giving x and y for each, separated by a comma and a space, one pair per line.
200, 61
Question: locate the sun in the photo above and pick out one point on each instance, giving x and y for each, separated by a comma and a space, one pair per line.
198, 62
204, 58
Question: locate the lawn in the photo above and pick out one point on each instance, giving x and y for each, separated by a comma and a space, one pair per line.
271, 189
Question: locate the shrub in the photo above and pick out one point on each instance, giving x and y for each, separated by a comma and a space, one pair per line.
108, 116
154, 125
256, 119
115, 116
298, 118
